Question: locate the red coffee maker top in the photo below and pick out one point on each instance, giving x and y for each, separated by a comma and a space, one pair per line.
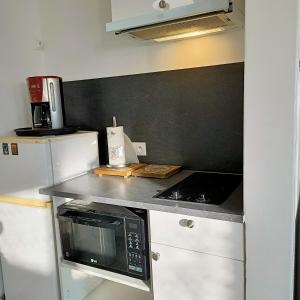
36, 87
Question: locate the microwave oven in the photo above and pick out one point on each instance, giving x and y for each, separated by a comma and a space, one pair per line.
108, 237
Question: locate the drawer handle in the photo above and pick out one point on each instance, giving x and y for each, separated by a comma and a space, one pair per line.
155, 256
187, 223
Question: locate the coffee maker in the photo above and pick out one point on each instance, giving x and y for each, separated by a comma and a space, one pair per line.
46, 107
46, 102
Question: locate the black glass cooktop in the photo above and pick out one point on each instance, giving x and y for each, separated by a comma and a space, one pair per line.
202, 187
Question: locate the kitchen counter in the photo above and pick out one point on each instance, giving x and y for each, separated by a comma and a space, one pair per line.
138, 192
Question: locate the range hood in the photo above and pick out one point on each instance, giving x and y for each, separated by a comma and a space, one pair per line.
201, 18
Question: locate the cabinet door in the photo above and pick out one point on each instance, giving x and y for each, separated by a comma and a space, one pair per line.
187, 275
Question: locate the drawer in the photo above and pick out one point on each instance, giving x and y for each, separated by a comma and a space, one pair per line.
216, 237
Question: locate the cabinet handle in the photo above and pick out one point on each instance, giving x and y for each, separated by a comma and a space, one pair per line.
52, 96
163, 4
187, 223
155, 256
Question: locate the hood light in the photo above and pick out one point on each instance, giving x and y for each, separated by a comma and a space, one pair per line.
189, 34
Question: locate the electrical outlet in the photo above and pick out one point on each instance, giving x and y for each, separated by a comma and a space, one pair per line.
140, 149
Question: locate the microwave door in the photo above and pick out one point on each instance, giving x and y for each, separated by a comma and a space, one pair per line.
94, 242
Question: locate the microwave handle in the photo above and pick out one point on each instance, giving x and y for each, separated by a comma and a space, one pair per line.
66, 219
99, 223
81, 220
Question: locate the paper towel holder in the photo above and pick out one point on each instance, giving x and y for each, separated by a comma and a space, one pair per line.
118, 165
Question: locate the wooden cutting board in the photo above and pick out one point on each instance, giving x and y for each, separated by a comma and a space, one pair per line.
125, 172
156, 171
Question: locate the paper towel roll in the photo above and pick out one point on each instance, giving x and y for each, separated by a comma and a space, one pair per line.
116, 146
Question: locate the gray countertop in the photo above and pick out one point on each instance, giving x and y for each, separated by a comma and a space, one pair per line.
139, 192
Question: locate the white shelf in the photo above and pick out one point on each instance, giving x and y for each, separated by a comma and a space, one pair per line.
109, 290
115, 277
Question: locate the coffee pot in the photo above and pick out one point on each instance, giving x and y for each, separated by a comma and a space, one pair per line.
46, 101
47, 110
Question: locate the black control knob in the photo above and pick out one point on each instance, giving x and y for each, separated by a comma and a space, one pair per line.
176, 195
202, 197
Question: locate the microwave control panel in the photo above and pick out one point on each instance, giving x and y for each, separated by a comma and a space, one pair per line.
135, 248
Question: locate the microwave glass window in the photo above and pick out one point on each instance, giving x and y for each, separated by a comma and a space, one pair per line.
99, 243
94, 243
133, 226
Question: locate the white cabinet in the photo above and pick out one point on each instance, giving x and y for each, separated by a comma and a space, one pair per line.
132, 8
188, 275
196, 258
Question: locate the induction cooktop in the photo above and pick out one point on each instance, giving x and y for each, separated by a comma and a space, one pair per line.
203, 187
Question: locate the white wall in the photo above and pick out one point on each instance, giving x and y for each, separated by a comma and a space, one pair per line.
271, 121
77, 46
19, 28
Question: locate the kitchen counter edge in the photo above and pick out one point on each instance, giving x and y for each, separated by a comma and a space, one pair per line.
231, 211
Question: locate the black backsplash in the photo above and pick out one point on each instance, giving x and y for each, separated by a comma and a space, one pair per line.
191, 117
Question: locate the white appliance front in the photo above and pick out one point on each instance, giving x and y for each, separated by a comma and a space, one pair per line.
73, 156
28, 253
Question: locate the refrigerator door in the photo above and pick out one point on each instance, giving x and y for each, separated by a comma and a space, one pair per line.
28, 253
23, 174
74, 155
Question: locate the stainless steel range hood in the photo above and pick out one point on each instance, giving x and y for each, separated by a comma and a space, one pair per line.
202, 18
